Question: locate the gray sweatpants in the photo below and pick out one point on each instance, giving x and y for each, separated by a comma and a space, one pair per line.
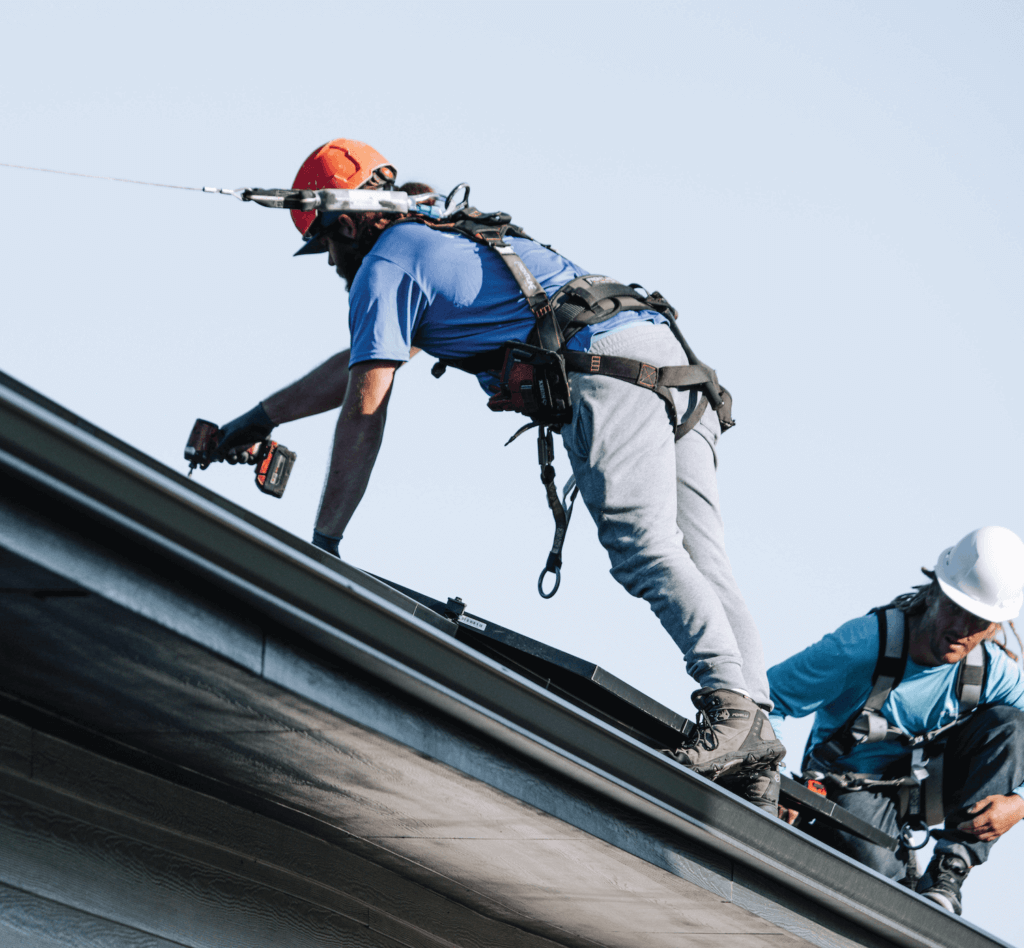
655, 502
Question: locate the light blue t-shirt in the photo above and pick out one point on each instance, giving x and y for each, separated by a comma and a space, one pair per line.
452, 297
832, 679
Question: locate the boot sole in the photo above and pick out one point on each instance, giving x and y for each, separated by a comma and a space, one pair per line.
732, 763
941, 898
735, 784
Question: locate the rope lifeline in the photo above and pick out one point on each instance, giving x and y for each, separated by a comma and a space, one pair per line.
79, 174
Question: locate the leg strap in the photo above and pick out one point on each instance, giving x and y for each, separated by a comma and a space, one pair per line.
661, 381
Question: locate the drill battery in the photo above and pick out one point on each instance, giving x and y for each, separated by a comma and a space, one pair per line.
273, 467
273, 461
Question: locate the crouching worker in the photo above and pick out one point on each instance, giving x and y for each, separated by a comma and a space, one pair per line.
596, 359
919, 691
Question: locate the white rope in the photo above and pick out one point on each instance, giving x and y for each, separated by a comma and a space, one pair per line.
79, 174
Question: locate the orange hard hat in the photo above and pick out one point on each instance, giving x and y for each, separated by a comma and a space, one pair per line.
341, 163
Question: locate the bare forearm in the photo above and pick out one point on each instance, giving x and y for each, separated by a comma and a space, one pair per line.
357, 441
318, 391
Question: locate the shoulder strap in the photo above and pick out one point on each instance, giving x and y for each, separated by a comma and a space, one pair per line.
893, 645
490, 230
970, 678
584, 301
868, 724
591, 299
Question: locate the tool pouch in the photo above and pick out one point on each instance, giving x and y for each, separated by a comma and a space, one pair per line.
533, 382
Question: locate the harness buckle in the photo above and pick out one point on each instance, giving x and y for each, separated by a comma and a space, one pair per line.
869, 728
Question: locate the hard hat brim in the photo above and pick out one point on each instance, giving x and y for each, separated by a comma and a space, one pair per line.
314, 245
992, 613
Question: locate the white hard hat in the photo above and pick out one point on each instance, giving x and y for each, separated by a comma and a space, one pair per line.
984, 573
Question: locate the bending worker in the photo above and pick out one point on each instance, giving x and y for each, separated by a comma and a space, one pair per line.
921, 686
461, 293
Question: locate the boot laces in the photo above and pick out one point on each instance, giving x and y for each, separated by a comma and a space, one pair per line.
949, 864
704, 733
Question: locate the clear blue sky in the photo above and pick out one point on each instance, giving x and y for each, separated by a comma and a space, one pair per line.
830, 193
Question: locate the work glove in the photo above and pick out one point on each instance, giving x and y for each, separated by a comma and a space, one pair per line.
326, 542
244, 431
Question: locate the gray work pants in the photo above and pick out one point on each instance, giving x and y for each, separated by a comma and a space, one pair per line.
984, 757
655, 503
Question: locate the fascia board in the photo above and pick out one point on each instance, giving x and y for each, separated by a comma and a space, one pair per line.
331, 608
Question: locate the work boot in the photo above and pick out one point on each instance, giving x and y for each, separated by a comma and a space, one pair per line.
732, 733
760, 787
942, 880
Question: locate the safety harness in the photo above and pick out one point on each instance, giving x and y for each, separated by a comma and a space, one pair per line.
917, 779
533, 376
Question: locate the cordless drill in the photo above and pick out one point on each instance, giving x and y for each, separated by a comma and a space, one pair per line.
273, 461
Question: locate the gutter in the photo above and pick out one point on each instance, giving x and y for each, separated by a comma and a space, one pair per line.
362, 621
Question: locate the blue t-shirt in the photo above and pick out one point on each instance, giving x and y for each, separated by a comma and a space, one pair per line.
832, 679
452, 297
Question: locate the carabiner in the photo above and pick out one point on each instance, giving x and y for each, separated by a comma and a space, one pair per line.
450, 204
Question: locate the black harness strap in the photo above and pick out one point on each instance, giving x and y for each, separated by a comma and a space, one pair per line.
661, 381
589, 300
893, 647
549, 334
491, 230
970, 679
582, 302
474, 364
920, 802
561, 511
868, 725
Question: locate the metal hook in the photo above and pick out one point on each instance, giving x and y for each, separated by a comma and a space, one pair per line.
450, 207
231, 192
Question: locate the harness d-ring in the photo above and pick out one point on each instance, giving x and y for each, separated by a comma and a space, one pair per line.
450, 204
908, 829
557, 571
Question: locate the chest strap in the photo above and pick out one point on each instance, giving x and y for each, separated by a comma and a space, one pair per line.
868, 724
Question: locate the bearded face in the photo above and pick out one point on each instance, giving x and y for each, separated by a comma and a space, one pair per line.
350, 239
